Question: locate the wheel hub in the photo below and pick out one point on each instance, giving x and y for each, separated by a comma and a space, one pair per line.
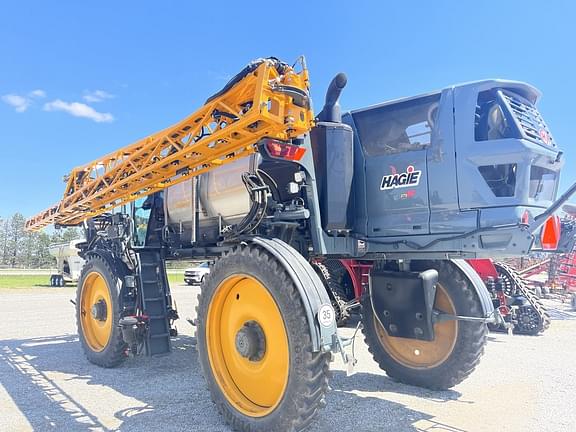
99, 310
251, 342
421, 354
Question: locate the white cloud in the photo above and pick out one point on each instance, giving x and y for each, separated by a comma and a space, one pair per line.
96, 96
38, 93
78, 109
19, 103
22, 103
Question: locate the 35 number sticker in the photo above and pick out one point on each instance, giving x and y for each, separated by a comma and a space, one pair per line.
326, 315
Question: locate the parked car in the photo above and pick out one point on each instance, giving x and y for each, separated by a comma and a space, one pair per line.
195, 275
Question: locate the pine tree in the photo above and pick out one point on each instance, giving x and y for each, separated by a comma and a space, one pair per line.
70, 233
5, 228
44, 259
16, 239
2, 236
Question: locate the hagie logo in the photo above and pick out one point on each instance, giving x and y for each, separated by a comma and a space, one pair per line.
399, 180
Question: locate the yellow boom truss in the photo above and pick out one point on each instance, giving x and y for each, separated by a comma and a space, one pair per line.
271, 101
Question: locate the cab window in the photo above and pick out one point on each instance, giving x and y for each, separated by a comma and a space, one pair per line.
399, 127
141, 212
493, 119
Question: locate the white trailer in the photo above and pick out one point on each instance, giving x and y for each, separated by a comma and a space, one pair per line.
68, 263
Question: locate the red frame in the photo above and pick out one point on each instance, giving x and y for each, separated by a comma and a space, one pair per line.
359, 273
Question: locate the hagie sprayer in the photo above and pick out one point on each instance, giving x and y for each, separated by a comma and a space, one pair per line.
254, 182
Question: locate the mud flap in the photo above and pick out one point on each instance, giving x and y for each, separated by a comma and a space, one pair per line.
403, 302
479, 286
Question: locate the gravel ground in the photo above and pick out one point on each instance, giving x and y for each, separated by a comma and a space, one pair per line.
522, 384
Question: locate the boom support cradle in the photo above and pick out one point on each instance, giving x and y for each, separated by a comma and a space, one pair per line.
269, 100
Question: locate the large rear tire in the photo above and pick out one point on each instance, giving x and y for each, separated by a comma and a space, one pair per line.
254, 345
457, 347
98, 314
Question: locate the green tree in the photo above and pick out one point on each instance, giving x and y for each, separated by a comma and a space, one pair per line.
1, 240
20, 248
16, 239
35, 252
29, 249
4, 228
71, 233
64, 235
44, 259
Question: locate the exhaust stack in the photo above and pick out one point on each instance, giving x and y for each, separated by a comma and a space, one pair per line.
331, 110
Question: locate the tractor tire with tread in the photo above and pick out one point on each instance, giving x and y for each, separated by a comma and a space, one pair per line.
294, 406
516, 284
113, 352
331, 276
467, 338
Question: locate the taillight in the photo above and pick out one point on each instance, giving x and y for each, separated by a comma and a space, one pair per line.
550, 235
283, 150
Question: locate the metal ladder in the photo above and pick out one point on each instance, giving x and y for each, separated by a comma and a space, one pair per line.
154, 290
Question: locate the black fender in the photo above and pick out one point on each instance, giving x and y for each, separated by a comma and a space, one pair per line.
118, 267
479, 286
310, 287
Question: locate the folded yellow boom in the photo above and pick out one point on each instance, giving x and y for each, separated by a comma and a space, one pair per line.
270, 100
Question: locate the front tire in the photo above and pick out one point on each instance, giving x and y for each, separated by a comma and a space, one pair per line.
98, 314
254, 345
458, 345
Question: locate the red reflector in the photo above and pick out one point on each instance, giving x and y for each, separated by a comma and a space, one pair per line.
550, 235
525, 218
285, 151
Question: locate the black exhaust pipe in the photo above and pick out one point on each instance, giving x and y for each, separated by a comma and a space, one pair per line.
331, 110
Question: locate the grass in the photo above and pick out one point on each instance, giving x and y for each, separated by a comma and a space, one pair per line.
175, 279
24, 281
33, 281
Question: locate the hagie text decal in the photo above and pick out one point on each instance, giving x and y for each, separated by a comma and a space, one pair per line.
399, 180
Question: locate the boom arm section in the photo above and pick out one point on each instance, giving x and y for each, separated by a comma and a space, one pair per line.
268, 98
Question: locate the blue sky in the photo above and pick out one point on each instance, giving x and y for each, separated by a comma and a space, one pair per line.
79, 79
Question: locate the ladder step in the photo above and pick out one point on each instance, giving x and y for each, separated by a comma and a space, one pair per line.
153, 299
156, 336
156, 317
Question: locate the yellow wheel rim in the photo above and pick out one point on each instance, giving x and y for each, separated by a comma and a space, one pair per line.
96, 311
254, 386
417, 354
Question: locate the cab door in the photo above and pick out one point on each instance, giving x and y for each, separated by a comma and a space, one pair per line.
141, 210
395, 139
